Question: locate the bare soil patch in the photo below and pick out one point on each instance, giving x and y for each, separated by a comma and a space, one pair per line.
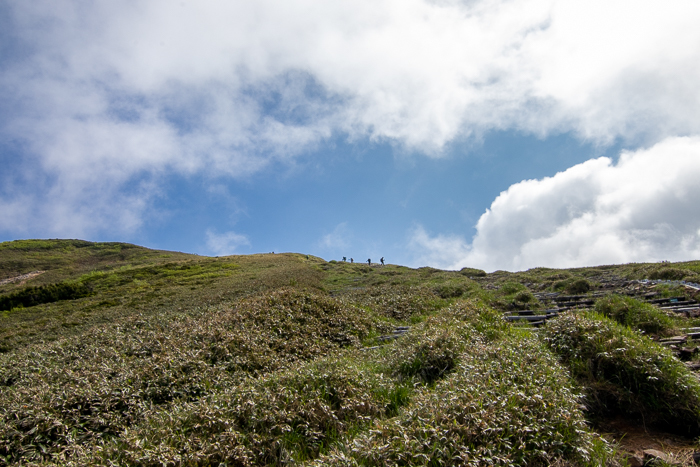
22, 278
633, 438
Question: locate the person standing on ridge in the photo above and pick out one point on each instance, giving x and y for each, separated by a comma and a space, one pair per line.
382, 261
369, 262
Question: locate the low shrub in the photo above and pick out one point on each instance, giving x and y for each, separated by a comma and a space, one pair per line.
670, 273
625, 372
572, 286
294, 415
524, 297
507, 402
428, 356
472, 272
511, 288
32, 296
396, 302
635, 314
558, 276
578, 286
261, 333
450, 290
282, 419
428, 271
694, 277
61, 396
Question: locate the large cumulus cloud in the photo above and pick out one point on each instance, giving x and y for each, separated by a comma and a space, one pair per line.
103, 99
644, 207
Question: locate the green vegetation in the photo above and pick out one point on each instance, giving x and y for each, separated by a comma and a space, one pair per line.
625, 372
113, 354
397, 303
573, 286
290, 416
689, 270
32, 296
497, 409
472, 272
636, 314
68, 259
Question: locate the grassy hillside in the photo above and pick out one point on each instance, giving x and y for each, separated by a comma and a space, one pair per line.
114, 354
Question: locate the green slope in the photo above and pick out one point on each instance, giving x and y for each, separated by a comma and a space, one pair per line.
166, 358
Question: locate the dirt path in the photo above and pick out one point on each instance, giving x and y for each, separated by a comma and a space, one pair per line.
21, 278
633, 438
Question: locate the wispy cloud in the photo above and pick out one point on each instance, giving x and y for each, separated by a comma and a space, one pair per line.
644, 208
227, 243
444, 251
336, 240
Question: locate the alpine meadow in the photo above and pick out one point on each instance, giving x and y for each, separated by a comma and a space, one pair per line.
114, 354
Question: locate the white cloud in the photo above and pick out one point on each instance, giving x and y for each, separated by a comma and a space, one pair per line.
106, 93
443, 251
336, 240
644, 208
226, 243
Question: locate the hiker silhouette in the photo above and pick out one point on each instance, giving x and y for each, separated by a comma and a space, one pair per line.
369, 262
382, 261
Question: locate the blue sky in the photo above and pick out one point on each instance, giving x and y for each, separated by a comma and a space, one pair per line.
361, 201
484, 133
